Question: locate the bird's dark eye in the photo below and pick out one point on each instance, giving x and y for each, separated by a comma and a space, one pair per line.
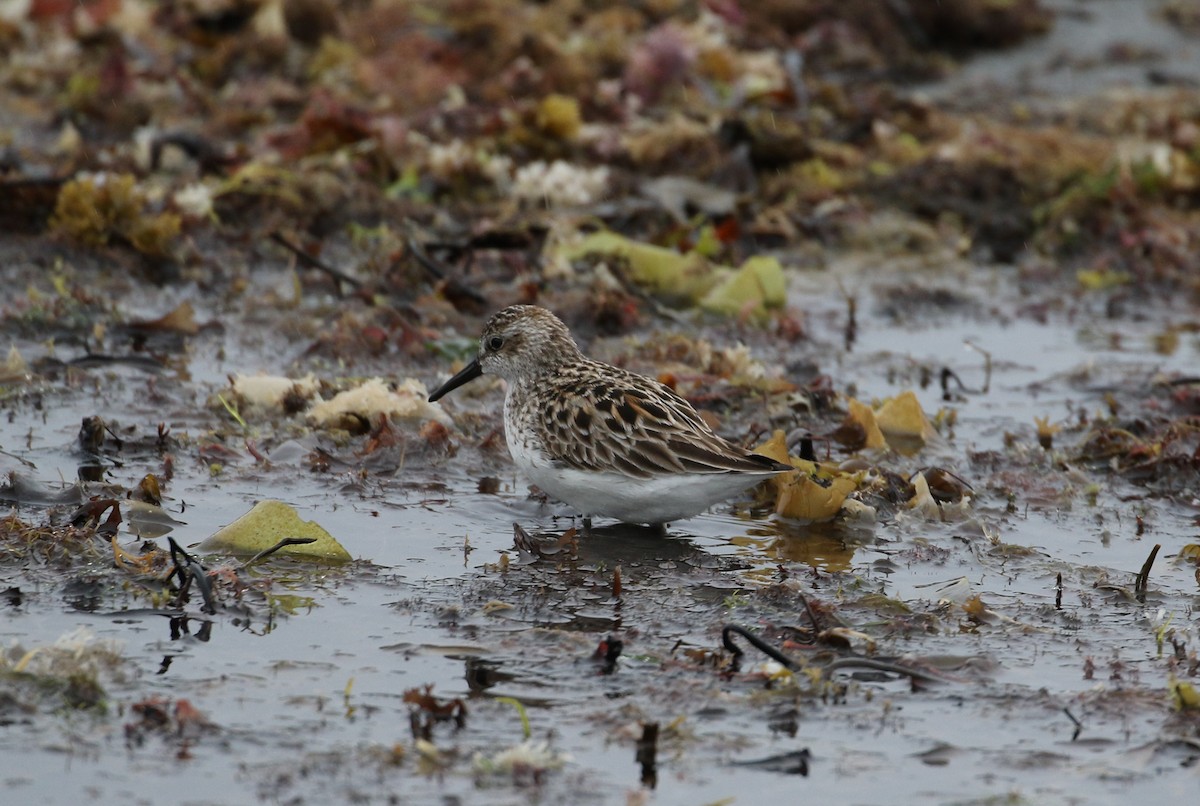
495, 343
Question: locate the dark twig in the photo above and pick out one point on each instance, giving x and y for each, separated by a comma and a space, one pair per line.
987, 365
852, 662
23, 461
850, 334
415, 248
452, 287
1078, 725
189, 570
314, 263
1143, 577
950, 375
771, 652
208, 157
144, 363
881, 666
812, 617
287, 541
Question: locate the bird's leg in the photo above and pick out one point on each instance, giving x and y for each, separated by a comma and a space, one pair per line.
587, 527
660, 529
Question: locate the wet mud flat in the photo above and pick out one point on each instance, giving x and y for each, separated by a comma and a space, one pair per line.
1041, 657
1000, 605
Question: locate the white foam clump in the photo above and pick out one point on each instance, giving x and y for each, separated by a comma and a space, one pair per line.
269, 391
560, 183
408, 401
75, 651
195, 200
448, 160
528, 756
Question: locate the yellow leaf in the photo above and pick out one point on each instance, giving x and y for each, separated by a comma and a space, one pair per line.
903, 417
707, 243
775, 447
663, 271
13, 367
802, 497
975, 608
861, 414
268, 523
181, 319
1189, 553
1184, 694
818, 174
756, 286
812, 492
261, 179
1046, 431
1101, 279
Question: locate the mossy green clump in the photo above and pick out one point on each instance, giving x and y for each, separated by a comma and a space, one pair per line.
65, 675
82, 691
98, 210
558, 117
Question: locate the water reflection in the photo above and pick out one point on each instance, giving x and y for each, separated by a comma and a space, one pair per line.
568, 581
646, 756
826, 546
179, 628
84, 594
628, 546
623, 543
482, 674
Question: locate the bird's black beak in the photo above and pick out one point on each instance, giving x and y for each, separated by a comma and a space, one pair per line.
467, 374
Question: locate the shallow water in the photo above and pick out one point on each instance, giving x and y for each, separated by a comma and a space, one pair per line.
1095, 46
309, 705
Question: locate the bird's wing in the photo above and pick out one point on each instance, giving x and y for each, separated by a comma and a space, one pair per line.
639, 427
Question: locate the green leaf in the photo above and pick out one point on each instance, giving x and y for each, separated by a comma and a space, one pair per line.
268, 523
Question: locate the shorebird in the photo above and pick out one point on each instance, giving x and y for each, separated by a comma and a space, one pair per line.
599, 438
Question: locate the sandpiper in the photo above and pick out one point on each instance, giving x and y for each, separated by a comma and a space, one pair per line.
599, 438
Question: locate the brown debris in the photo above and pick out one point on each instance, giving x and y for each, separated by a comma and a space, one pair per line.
426, 710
